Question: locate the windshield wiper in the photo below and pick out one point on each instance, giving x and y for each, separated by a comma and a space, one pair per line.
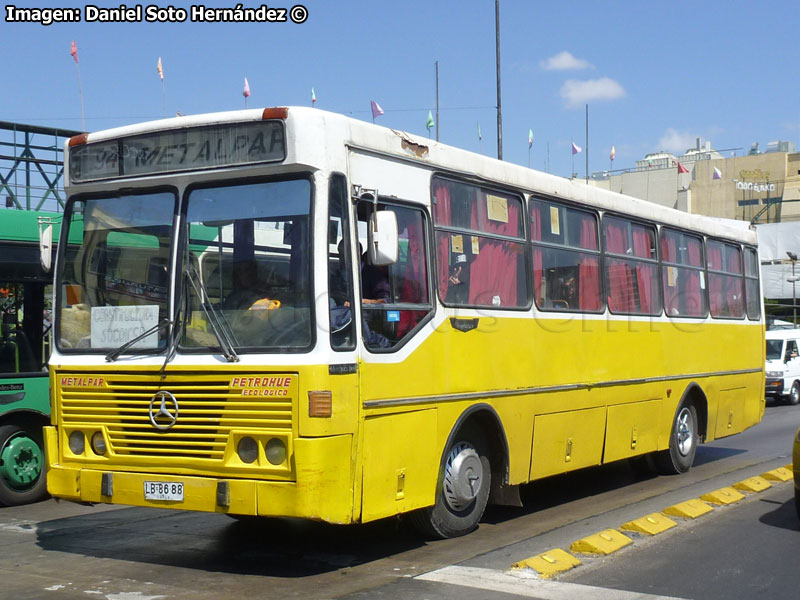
220, 329
114, 354
172, 344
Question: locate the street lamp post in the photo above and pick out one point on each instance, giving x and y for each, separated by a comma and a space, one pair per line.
793, 257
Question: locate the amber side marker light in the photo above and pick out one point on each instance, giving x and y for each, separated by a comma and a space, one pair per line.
320, 403
77, 140
280, 112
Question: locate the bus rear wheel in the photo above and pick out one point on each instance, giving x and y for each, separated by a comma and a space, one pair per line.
683, 442
22, 470
462, 491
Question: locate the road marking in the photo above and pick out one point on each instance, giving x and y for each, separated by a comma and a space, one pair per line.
529, 586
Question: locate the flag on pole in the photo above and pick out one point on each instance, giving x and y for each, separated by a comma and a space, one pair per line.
530, 138
246, 90
429, 123
480, 137
717, 173
681, 168
160, 69
377, 111
73, 51
576, 149
613, 153
313, 97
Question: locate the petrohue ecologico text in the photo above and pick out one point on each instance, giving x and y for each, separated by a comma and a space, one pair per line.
153, 13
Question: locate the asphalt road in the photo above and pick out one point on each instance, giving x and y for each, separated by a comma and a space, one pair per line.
63, 551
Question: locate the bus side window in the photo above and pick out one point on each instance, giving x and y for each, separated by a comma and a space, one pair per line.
395, 299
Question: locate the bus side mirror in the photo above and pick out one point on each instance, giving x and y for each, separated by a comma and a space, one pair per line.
382, 238
46, 247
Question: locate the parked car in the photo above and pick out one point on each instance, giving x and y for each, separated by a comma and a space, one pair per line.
783, 365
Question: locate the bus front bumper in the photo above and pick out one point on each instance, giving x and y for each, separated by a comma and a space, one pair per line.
319, 491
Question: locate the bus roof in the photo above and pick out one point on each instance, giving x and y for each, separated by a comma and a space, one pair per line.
23, 225
305, 123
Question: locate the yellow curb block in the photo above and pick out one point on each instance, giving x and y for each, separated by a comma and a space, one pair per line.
651, 524
691, 509
722, 496
788, 467
605, 542
753, 484
549, 563
779, 474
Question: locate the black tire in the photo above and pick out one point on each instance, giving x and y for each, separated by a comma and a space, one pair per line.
459, 501
683, 440
794, 394
22, 468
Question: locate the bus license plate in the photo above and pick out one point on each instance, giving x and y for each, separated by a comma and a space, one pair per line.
163, 490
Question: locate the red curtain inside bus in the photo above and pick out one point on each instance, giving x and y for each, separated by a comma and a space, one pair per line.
620, 281
645, 272
414, 284
589, 271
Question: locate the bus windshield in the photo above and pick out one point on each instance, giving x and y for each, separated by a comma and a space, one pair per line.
250, 247
114, 275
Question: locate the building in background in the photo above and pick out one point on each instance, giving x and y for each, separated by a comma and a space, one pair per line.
759, 186
762, 188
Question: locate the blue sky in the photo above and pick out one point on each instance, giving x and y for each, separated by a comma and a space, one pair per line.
655, 75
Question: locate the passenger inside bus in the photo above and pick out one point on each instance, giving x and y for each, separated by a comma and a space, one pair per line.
341, 311
565, 294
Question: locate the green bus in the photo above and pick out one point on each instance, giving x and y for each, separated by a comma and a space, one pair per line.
25, 292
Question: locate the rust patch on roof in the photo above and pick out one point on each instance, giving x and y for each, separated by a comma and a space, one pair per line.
418, 150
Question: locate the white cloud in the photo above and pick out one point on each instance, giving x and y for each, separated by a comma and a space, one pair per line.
564, 61
575, 93
677, 142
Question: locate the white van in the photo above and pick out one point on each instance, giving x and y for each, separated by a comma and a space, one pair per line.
783, 365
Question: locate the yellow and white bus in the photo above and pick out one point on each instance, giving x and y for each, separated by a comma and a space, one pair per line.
288, 312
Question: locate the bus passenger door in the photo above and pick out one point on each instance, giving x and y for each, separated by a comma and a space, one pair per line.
401, 457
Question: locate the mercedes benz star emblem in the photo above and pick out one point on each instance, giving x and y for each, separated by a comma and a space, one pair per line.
163, 406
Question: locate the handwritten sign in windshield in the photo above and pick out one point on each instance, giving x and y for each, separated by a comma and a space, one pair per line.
113, 326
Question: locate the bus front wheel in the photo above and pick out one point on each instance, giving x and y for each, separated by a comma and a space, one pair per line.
22, 470
683, 442
461, 492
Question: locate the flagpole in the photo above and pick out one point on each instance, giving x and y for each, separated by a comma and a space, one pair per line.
164, 98
80, 95
586, 172
437, 101
572, 150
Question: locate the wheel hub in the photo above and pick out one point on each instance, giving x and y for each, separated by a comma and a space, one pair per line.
463, 476
20, 462
685, 432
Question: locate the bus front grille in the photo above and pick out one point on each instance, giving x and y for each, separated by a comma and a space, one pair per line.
208, 409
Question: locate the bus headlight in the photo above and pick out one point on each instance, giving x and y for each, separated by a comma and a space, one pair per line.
77, 442
247, 449
276, 451
99, 443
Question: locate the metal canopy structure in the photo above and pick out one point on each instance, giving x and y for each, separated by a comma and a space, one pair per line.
32, 166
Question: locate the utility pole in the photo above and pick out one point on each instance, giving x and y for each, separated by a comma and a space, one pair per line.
499, 101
